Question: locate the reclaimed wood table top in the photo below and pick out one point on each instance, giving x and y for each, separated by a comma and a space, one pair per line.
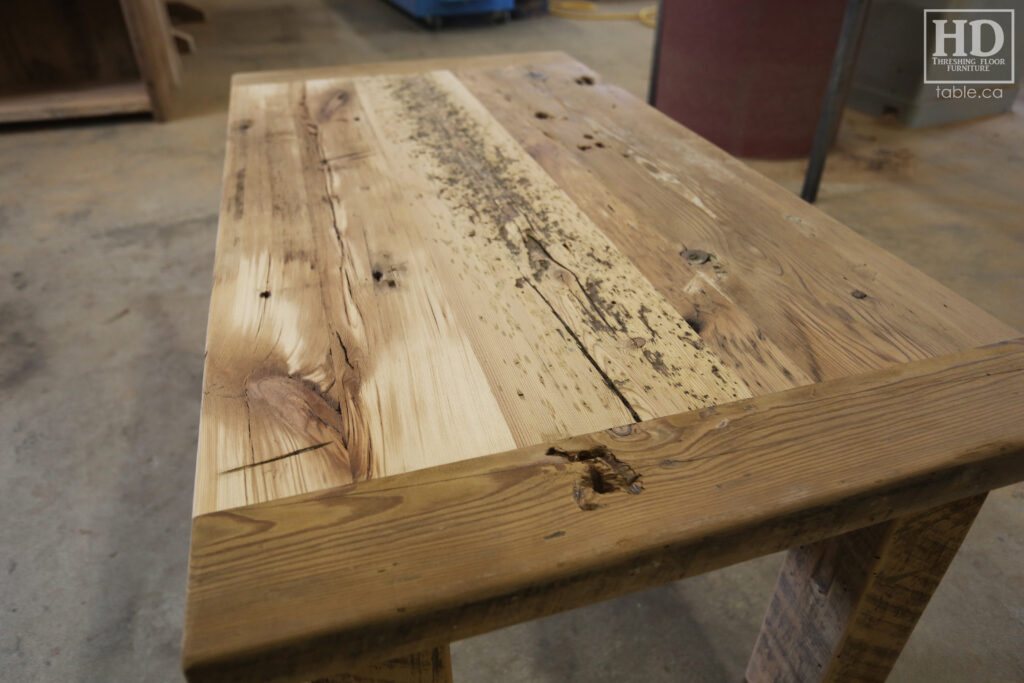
420, 264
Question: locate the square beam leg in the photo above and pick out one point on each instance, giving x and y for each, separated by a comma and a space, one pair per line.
430, 666
843, 608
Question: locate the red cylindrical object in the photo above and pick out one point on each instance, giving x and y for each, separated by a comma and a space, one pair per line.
748, 75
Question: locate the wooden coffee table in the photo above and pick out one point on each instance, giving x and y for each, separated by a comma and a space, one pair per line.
490, 339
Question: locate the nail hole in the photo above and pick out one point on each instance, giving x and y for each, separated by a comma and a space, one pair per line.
695, 257
265, 294
377, 275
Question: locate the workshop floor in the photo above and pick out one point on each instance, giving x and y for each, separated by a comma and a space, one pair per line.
106, 247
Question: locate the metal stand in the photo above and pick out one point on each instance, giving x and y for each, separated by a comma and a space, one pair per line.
652, 81
835, 94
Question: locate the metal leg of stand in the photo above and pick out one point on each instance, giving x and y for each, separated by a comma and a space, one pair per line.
835, 94
652, 82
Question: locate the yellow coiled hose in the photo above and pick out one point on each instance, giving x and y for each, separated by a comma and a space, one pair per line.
579, 9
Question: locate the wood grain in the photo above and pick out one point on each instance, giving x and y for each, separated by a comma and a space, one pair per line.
75, 58
456, 220
657, 189
52, 45
125, 98
783, 293
843, 611
377, 569
395, 274
155, 52
418, 267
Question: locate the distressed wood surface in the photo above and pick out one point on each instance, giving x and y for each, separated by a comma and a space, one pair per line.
566, 523
843, 611
419, 268
405, 287
422, 263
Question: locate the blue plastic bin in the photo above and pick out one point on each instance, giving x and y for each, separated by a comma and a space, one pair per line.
432, 11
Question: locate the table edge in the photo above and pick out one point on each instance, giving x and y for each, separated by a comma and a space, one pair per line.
245, 78
989, 378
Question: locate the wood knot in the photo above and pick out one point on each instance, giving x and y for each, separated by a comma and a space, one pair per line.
695, 257
601, 473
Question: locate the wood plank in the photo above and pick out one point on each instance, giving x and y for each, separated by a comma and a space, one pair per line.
157, 57
395, 273
107, 100
692, 286
783, 272
294, 316
843, 611
506, 229
657, 188
390, 566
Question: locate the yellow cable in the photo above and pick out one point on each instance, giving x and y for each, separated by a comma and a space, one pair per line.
579, 9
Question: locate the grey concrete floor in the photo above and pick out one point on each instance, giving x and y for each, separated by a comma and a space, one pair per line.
106, 247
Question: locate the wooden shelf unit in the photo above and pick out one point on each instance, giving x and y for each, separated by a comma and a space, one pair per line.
85, 58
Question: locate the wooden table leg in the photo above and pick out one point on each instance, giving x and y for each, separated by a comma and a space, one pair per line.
843, 608
430, 666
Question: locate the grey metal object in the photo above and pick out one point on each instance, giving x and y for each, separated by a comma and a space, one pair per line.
888, 78
835, 94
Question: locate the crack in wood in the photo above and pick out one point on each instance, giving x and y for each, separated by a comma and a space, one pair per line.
278, 457
344, 350
608, 381
315, 144
528, 237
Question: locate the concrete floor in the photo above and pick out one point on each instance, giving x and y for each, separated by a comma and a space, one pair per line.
106, 247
